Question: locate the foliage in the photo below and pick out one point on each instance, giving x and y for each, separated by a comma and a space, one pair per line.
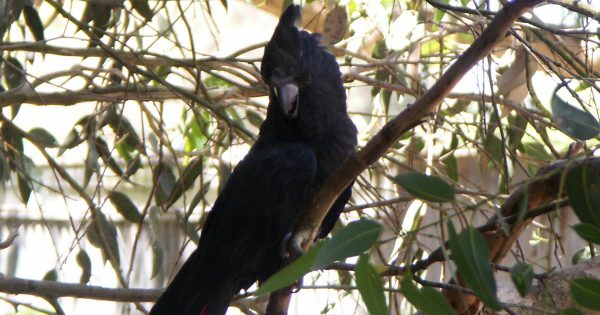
140, 118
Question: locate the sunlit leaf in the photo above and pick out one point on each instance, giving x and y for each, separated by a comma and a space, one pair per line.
470, 253
586, 292
426, 187
352, 240
370, 286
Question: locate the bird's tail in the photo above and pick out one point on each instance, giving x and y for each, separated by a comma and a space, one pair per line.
196, 290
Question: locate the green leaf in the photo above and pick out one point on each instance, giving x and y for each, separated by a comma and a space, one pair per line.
426, 187
571, 311
583, 188
91, 163
84, 262
33, 21
51, 275
125, 206
254, 118
451, 166
198, 196
586, 292
580, 255
103, 235
133, 166
517, 125
588, 232
291, 272
573, 121
427, 300
522, 276
14, 73
352, 240
43, 137
157, 259
143, 9
188, 176
71, 141
165, 179
370, 286
24, 188
470, 254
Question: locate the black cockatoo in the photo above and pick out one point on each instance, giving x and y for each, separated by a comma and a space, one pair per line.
306, 135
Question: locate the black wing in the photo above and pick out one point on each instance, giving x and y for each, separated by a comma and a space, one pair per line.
242, 237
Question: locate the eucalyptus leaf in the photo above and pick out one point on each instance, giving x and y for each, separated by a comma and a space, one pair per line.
51, 275
586, 292
43, 137
103, 235
573, 121
84, 262
370, 286
158, 254
125, 206
470, 254
583, 188
426, 187
588, 232
143, 8
14, 73
291, 273
33, 21
428, 300
352, 240
522, 277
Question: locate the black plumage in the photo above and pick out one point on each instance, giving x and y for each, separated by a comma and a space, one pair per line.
307, 134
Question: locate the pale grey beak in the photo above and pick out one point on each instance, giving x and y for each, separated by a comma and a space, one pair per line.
287, 96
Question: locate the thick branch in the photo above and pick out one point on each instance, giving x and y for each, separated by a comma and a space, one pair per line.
389, 134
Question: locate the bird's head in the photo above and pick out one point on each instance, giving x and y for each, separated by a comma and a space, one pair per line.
281, 66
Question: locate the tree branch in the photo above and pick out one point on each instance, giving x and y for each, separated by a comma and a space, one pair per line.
52, 289
383, 140
112, 94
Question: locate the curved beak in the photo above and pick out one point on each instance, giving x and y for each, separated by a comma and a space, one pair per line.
287, 97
